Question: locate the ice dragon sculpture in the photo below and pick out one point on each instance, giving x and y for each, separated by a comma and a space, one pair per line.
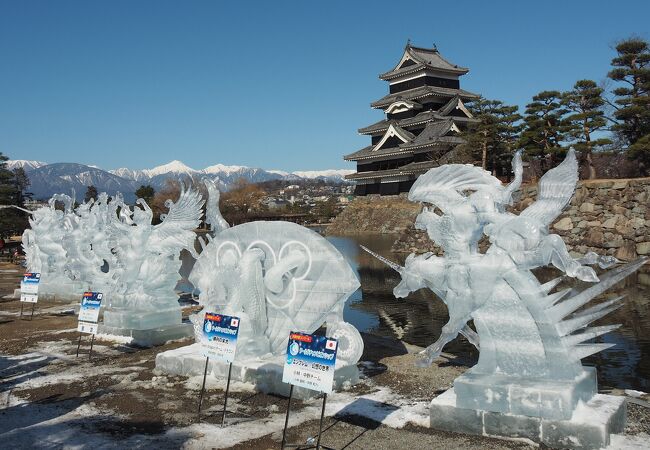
278, 277
147, 261
529, 336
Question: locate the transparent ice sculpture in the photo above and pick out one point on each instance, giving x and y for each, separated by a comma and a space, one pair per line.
147, 260
278, 277
44, 247
89, 258
531, 339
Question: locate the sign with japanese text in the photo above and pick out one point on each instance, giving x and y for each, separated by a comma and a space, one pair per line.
29, 287
310, 361
89, 312
220, 336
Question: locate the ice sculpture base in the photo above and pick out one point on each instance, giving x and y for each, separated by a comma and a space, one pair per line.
549, 399
265, 375
153, 336
142, 319
589, 426
48, 297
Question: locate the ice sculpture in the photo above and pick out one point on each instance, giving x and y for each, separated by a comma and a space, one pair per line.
89, 259
277, 277
143, 303
529, 380
45, 250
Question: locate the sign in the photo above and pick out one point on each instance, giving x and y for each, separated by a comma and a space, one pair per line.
89, 312
29, 287
310, 361
220, 336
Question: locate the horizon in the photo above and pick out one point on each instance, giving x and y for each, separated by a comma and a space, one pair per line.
212, 166
275, 86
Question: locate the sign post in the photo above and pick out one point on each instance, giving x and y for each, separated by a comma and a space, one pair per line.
88, 317
310, 363
29, 291
220, 342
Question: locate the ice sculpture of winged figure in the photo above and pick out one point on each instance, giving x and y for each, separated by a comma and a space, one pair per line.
44, 245
147, 256
496, 289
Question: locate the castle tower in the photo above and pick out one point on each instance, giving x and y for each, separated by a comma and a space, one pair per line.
425, 112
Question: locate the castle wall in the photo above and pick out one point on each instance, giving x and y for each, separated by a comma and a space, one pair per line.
609, 217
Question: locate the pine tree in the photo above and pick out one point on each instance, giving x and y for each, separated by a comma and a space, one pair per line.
586, 116
12, 221
145, 192
545, 128
91, 193
496, 133
632, 103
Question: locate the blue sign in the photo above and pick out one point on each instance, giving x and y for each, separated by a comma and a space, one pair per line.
29, 287
311, 361
220, 336
89, 312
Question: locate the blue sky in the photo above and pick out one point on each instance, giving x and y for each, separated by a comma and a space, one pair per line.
272, 84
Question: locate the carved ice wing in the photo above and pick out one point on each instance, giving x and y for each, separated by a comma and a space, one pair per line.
555, 190
441, 185
213, 215
176, 229
518, 170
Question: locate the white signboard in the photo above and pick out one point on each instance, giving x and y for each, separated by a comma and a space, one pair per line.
310, 361
29, 287
89, 312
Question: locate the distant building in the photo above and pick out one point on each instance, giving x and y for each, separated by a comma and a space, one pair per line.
425, 112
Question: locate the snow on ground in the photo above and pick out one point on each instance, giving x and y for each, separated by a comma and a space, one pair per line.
383, 406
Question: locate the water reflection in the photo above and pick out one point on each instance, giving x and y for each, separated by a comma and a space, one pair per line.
419, 318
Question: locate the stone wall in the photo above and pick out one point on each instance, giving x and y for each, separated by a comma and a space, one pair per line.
606, 216
609, 217
373, 214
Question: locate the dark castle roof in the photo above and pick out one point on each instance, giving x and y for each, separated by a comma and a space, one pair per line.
422, 58
422, 92
435, 134
422, 118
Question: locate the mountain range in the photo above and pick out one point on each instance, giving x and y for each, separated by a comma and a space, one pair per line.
48, 179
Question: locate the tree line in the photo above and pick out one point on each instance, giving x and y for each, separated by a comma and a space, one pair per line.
13, 191
588, 117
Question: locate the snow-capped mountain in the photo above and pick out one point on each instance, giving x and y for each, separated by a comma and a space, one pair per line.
331, 174
48, 179
25, 164
69, 178
171, 167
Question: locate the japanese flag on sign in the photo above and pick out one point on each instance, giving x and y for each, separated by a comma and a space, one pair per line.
234, 322
330, 345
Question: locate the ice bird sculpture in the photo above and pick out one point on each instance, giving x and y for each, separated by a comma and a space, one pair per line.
44, 244
147, 260
529, 335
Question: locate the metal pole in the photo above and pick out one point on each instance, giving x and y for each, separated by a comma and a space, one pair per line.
33, 306
320, 425
205, 374
225, 401
22, 305
92, 341
78, 345
286, 419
